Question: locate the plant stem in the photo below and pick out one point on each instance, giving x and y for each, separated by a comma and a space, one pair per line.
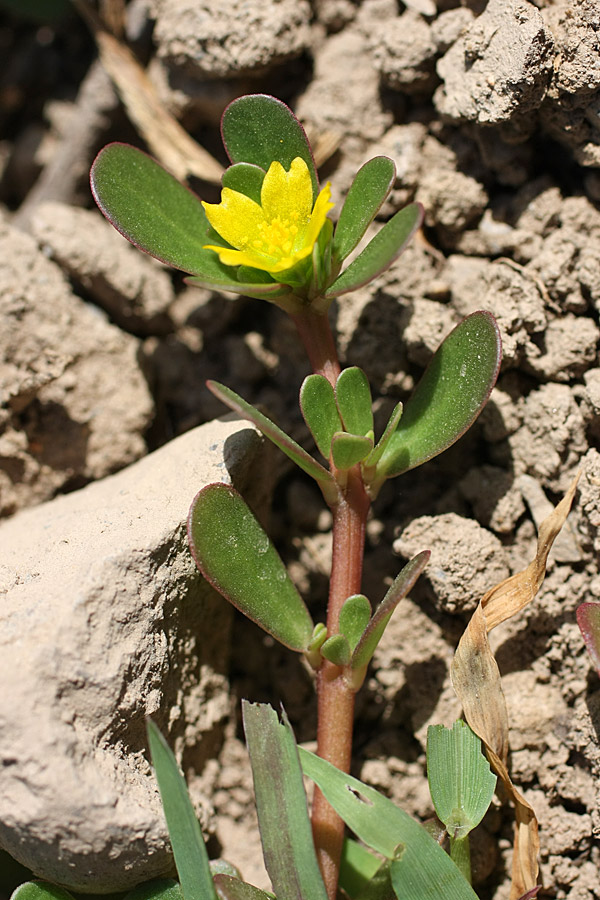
315, 333
460, 851
334, 695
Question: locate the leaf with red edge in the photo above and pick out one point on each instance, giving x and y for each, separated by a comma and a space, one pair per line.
588, 619
235, 555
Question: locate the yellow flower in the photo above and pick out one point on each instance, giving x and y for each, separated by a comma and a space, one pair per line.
278, 233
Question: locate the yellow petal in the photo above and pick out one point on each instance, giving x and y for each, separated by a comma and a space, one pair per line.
319, 214
236, 218
287, 195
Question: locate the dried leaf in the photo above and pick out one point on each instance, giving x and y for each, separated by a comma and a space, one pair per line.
166, 139
476, 680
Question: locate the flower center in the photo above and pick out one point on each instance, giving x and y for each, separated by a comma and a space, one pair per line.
277, 237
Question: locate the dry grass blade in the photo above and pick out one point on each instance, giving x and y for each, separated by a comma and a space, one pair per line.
167, 140
477, 683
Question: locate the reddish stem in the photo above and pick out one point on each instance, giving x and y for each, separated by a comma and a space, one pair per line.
317, 338
335, 697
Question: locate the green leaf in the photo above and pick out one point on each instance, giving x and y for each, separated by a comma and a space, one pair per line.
337, 650
380, 253
244, 178
452, 392
380, 886
154, 211
401, 586
354, 618
349, 449
370, 187
460, 780
157, 889
40, 890
260, 129
189, 849
229, 888
353, 396
420, 869
377, 452
285, 443
588, 619
235, 555
318, 406
357, 867
285, 828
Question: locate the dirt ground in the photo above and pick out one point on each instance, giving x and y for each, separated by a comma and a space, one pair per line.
491, 112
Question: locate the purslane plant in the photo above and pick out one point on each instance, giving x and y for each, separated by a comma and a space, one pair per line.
271, 237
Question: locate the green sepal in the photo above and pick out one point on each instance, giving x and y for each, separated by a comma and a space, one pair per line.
245, 179
320, 412
353, 396
588, 619
259, 129
285, 443
229, 888
337, 650
419, 868
349, 449
452, 392
460, 780
235, 555
271, 291
154, 211
189, 849
157, 889
380, 252
285, 830
372, 183
40, 890
354, 618
321, 262
401, 586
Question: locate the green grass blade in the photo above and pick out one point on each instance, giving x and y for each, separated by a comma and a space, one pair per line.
420, 869
460, 780
188, 844
285, 829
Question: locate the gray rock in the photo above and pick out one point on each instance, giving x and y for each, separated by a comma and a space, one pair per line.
134, 289
74, 404
220, 40
466, 559
105, 620
500, 65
